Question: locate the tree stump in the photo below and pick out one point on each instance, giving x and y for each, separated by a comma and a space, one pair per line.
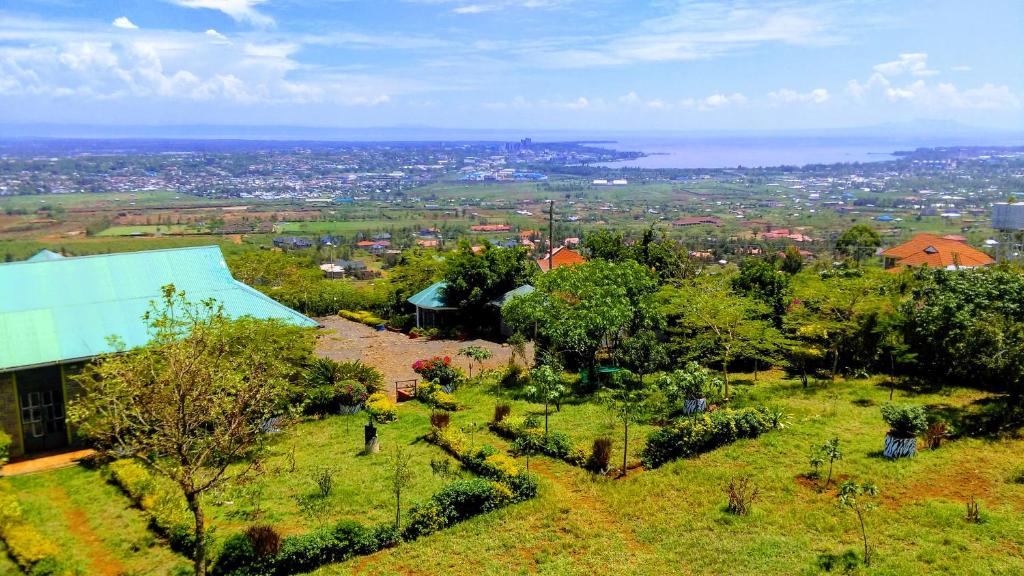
372, 443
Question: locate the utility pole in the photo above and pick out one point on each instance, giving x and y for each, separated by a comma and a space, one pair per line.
551, 234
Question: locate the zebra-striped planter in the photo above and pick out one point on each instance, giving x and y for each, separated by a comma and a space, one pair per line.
694, 406
350, 410
898, 447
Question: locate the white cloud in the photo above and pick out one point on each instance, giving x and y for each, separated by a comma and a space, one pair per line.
238, 10
124, 23
785, 95
473, 9
961, 68
629, 98
214, 34
718, 100
915, 64
694, 31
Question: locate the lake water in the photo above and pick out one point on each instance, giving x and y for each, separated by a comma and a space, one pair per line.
730, 152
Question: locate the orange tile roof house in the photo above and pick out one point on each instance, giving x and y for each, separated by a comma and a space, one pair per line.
935, 252
562, 256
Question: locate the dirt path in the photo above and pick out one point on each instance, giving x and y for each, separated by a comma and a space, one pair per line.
588, 504
101, 560
393, 353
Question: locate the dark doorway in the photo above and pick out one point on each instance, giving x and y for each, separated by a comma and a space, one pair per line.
41, 394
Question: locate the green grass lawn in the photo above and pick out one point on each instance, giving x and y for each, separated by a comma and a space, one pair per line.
92, 524
582, 419
288, 499
673, 520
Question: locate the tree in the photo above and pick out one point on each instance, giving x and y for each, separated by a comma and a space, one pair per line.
576, 310
475, 279
400, 473
760, 280
192, 403
853, 496
792, 260
604, 244
546, 386
829, 451
642, 353
626, 399
858, 242
712, 321
830, 312
478, 354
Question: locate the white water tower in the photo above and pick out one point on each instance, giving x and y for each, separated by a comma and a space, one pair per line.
1008, 220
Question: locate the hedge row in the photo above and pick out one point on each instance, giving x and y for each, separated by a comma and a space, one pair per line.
240, 556
34, 553
363, 317
162, 501
502, 482
555, 444
692, 436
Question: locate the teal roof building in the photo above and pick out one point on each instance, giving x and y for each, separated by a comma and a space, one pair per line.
429, 302
57, 312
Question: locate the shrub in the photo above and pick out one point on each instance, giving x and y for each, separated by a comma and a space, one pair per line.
363, 317
455, 502
438, 370
513, 376
28, 546
324, 480
5, 447
306, 552
691, 436
166, 506
935, 434
742, 494
440, 419
501, 410
10, 510
600, 455
434, 396
973, 511
330, 385
904, 420
486, 461
381, 408
357, 370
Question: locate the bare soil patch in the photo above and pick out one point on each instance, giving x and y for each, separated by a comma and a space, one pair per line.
393, 353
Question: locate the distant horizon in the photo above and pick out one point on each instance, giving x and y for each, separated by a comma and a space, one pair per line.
919, 128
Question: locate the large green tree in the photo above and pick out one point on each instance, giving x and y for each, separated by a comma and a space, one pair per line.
192, 403
858, 242
577, 310
473, 279
708, 320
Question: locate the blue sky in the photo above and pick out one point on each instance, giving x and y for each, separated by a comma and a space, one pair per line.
519, 64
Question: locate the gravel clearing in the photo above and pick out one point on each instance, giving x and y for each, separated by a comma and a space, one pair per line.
393, 353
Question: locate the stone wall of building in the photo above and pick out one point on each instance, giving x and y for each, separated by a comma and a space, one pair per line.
9, 418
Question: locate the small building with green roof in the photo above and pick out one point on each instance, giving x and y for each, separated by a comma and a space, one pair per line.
57, 313
430, 305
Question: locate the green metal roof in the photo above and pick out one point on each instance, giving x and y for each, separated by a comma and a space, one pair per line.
431, 298
521, 291
64, 309
44, 254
